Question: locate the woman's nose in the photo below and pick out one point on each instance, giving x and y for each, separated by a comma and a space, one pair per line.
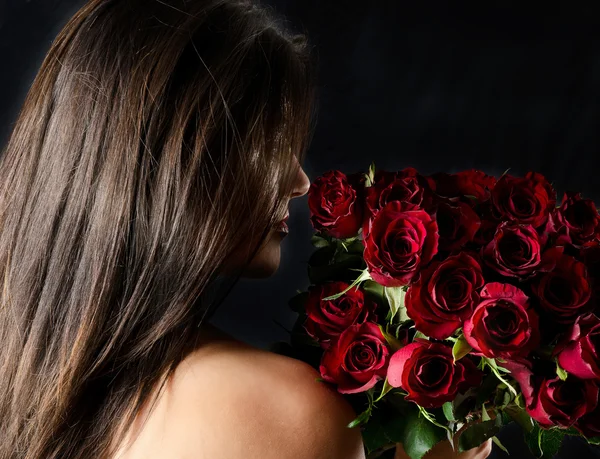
302, 183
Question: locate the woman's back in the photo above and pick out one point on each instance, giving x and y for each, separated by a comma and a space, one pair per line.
230, 400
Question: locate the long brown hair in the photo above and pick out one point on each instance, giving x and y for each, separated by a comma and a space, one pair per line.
157, 139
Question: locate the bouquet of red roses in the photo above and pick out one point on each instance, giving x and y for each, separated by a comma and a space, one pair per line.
446, 306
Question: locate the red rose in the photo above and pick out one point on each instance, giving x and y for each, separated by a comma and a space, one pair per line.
561, 403
576, 221
457, 223
527, 200
327, 319
579, 350
503, 325
564, 291
515, 250
357, 359
445, 295
550, 401
465, 183
406, 186
426, 370
335, 202
589, 424
399, 244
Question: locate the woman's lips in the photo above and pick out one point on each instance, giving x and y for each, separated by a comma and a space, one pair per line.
282, 227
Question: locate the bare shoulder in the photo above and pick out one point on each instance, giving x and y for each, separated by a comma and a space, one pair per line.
233, 400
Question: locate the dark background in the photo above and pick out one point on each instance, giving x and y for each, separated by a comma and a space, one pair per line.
437, 86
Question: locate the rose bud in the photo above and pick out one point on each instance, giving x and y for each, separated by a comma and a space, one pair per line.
357, 359
589, 423
336, 203
426, 370
399, 244
465, 183
578, 351
564, 291
444, 295
503, 324
576, 221
515, 250
527, 200
407, 186
457, 223
550, 401
326, 319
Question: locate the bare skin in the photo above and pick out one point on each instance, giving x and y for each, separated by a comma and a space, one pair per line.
230, 400
443, 450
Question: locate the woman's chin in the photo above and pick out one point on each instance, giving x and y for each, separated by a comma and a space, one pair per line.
266, 262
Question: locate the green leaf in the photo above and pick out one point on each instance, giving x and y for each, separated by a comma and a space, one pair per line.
507, 397
476, 434
375, 290
544, 443
319, 241
460, 348
373, 432
499, 444
551, 442
421, 335
431, 418
395, 297
419, 435
360, 419
395, 427
297, 303
561, 372
484, 414
354, 246
350, 245
521, 417
448, 411
370, 175
520, 400
533, 441
362, 277
394, 343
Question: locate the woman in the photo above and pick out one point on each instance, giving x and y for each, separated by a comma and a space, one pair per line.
150, 166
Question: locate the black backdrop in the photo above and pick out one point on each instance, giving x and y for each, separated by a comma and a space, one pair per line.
436, 86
